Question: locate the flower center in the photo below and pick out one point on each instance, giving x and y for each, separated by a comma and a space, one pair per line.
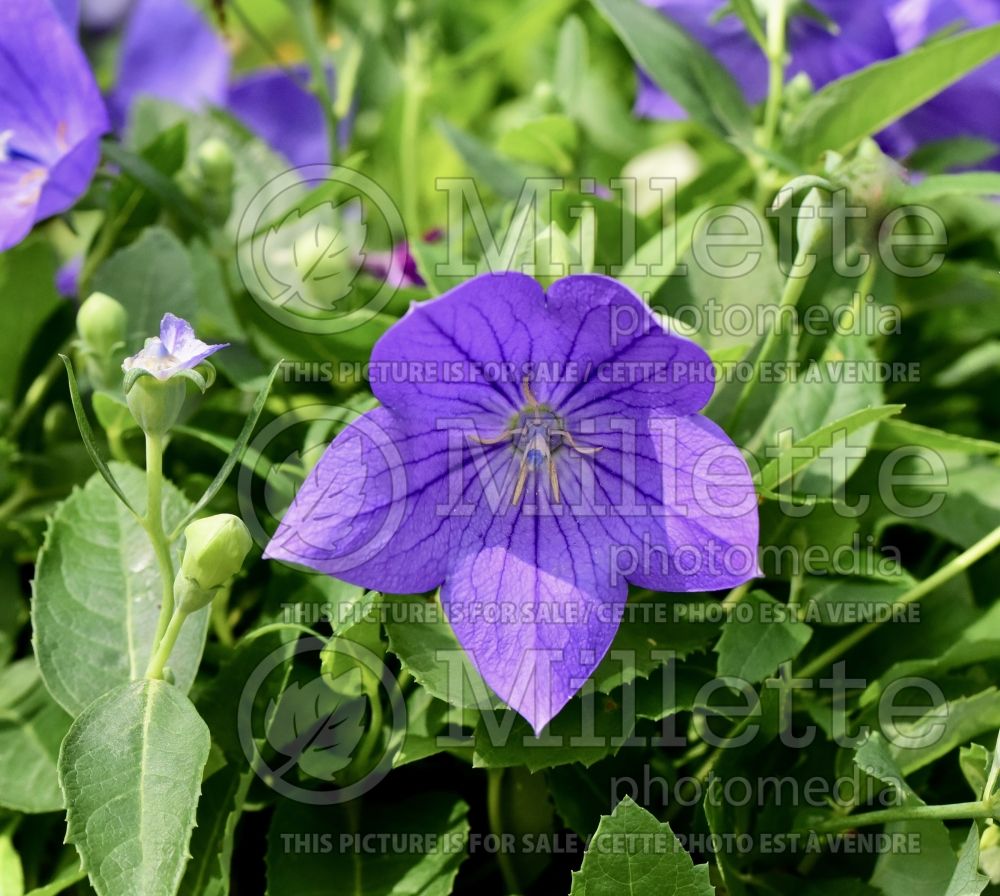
537, 433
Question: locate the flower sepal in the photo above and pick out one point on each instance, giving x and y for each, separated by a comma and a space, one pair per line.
155, 404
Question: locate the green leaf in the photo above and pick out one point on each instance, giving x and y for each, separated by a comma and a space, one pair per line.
502, 176
155, 181
631, 852
549, 141
28, 296
819, 441
427, 647
97, 593
150, 277
235, 453
864, 102
937, 186
571, 64
11, 870
87, 436
131, 770
753, 645
64, 880
679, 65
656, 259
357, 871
220, 808
966, 880
942, 730
32, 725
899, 433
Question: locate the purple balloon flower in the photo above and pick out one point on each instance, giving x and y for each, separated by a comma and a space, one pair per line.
276, 106
171, 52
174, 350
535, 451
863, 37
51, 118
959, 110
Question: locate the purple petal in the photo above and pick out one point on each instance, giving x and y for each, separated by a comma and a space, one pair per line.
68, 277
69, 12
533, 605
178, 339
671, 501
52, 116
374, 511
277, 107
170, 52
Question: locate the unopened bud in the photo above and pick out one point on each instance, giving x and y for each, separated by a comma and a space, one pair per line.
215, 549
101, 323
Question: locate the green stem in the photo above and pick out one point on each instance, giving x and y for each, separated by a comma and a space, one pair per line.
790, 295
409, 134
952, 811
777, 15
374, 733
36, 392
959, 564
305, 23
158, 661
494, 792
153, 523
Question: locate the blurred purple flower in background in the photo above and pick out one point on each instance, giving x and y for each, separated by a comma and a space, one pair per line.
519, 493
171, 52
856, 35
966, 109
51, 118
861, 35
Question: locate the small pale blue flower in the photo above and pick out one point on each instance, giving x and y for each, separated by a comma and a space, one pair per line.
176, 349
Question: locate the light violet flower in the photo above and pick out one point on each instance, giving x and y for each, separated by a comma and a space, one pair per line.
176, 349
535, 451
51, 118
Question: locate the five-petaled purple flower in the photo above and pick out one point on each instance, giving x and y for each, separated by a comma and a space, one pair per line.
174, 350
51, 118
534, 452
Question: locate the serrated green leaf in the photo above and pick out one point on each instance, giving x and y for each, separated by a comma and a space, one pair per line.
631, 852
753, 647
97, 594
966, 879
131, 769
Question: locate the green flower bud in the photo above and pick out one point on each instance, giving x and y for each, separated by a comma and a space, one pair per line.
989, 852
155, 404
215, 163
101, 323
215, 550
